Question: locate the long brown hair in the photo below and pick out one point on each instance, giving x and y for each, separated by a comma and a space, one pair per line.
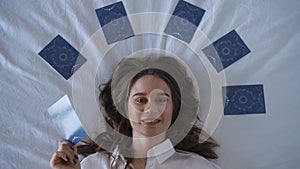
121, 124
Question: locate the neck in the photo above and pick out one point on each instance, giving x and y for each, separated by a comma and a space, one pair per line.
141, 144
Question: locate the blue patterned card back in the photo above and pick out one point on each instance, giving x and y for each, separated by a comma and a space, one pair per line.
66, 121
245, 99
226, 50
184, 21
114, 22
64, 58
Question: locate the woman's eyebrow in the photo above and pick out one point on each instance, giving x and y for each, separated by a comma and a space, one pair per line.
163, 94
143, 94
139, 94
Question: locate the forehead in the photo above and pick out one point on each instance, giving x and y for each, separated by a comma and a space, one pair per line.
147, 83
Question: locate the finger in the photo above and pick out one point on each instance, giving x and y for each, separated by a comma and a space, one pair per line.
75, 152
62, 158
62, 155
64, 143
70, 150
58, 158
75, 149
69, 145
66, 151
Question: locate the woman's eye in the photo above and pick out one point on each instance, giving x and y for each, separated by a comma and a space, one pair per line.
140, 100
161, 100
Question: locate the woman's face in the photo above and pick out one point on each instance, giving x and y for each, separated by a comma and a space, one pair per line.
150, 106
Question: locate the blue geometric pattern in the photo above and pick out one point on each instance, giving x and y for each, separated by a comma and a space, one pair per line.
114, 22
64, 58
184, 21
226, 50
246, 99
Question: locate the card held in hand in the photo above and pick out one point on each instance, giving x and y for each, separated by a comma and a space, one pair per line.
66, 121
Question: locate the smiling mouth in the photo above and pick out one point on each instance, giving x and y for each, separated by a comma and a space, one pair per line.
150, 121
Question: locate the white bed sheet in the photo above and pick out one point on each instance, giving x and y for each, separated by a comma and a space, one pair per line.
29, 85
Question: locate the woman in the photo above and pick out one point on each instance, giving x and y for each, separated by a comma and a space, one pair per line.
152, 101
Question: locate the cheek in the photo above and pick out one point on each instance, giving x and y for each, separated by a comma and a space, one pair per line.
168, 113
133, 113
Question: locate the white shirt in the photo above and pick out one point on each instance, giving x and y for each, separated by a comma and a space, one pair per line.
161, 156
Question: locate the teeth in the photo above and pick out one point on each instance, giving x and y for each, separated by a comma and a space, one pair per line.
150, 121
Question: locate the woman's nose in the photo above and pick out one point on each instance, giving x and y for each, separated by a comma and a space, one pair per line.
149, 108
154, 105
153, 108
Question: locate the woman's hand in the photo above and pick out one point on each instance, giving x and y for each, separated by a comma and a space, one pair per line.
65, 157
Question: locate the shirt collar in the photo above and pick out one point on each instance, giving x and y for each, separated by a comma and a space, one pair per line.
117, 157
162, 151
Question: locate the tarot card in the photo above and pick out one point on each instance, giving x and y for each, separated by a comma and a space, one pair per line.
114, 22
184, 21
66, 121
226, 50
63, 57
246, 99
